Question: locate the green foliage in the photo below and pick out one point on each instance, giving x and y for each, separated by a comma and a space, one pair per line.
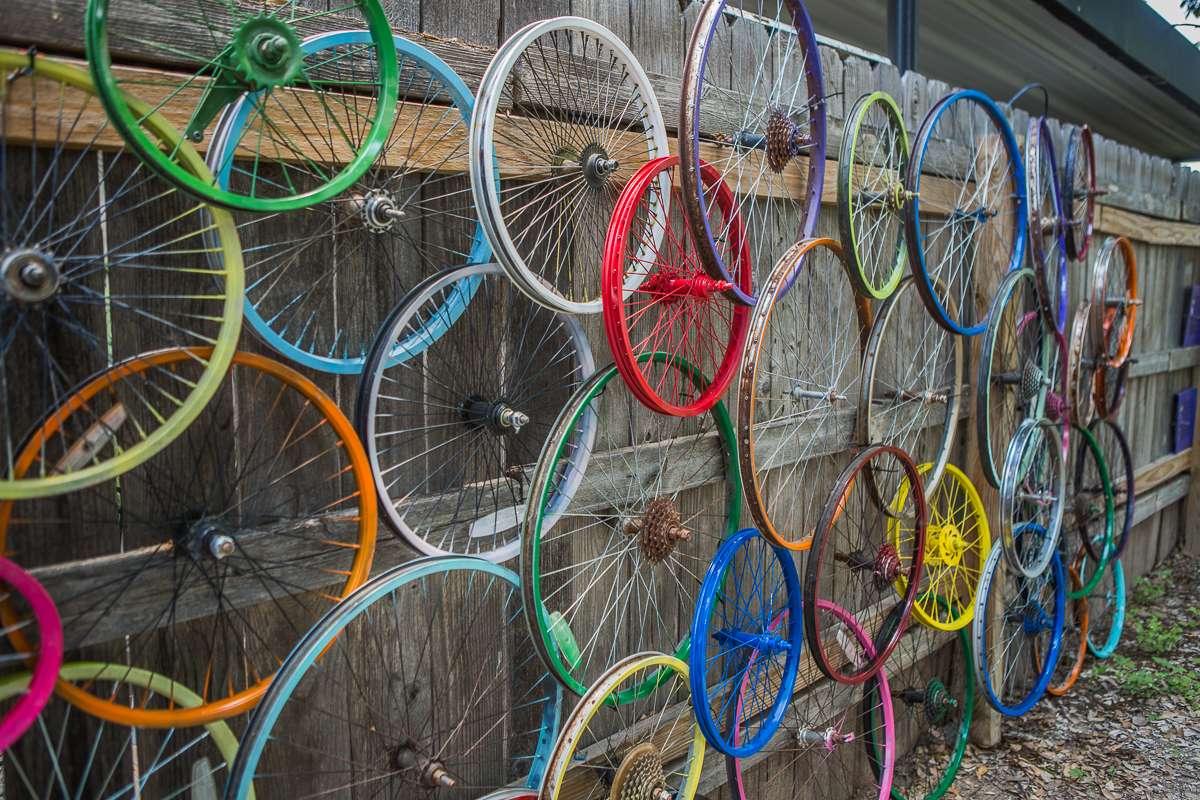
1155, 637
1152, 587
1167, 678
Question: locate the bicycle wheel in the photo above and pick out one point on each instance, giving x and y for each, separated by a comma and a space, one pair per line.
35, 641
967, 182
1018, 618
454, 407
216, 555
602, 753
1114, 302
676, 307
799, 387
614, 566
1110, 390
1046, 223
855, 565
746, 638
1031, 493
871, 196
932, 697
1106, 605
753, 107
409, 215
1082, 360
1012, 383
1074, 641
70, 754
309, 110
818, 754
912, 389
579, 118
1114, 450
99, 260
1092, 503
1079, 192
957, 541
422, 680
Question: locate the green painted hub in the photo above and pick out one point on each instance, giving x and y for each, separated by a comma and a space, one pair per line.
937, 700
265, 52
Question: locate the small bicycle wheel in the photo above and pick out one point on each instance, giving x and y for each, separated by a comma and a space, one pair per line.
408, 216
1017, 636
454, 407
1091, 499
1106, 604
1114, 302
1032, 489
612, 748
966, 222
1074, 640
1046, 223
1114, 449
753, 107
746, 639
72, 754
423, 680
1082, 361
317, 119
1012, 383
932, 698
1110, 390
565, 116
871, 196
799, 390
818, 754
912, 389
1079, 192
627, 509
209, 560
854, 564
35, 642
676, 307
99, 261
957, 542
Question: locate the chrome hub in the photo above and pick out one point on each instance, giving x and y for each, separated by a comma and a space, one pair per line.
29, 276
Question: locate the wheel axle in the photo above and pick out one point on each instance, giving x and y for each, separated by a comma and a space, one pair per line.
29, 276
432, 772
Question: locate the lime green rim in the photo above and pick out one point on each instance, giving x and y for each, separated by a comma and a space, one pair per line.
232, 279
1109, 514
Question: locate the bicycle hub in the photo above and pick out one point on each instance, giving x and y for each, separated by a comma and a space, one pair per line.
888, 566
768, 643
660, 530
640, 776
29, 276
207, 539
499, 416
829, 737
377, 208
432, 773
672, 287
1033, 620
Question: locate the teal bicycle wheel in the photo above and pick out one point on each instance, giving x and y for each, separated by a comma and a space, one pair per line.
1106, 605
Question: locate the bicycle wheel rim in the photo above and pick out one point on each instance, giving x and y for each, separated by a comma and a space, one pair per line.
1082, 361
130, 120
1034, 455
136, 312
799, 300
1008, 245
1079, 192
1075, 629
43, 657
1114, 302
1119, 461
1106, 604
1046, 211
1110, 390
1093, 492
874, 267
706, 127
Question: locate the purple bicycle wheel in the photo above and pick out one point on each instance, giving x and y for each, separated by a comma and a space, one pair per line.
1046, 229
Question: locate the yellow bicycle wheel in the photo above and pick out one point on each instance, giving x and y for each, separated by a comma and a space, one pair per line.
956, 544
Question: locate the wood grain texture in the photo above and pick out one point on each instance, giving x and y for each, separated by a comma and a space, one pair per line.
1118, 222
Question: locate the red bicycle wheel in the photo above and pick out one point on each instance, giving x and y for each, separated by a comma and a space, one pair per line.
676, 308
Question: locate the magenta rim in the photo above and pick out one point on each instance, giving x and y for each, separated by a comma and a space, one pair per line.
49, 653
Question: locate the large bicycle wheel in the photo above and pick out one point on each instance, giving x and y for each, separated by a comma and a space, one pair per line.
213, 558
871, 196
34, 642
70, 754
454, 407
855, 565
746, 638
1046, 223
316, 120
1106, 605
1017, 636
753, 107
99, 260
1079, 192
1114, 302
1083, 360
676, 308
627, 509
1032, 493
322, 280
1074, 639
966, 222
799, 388
1114, 449
912, 389
649, 747
1091, 499
819, 754
957, 541
423, 680
579, 118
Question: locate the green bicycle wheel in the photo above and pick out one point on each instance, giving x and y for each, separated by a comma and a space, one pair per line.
1091, 499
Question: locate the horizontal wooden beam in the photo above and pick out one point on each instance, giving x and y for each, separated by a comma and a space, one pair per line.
1119, 222
1161, 497
1161, 471
1164, 361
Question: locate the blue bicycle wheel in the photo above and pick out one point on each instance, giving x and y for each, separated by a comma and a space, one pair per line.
966, 224
746, 639
1017, 619
1106, 605
424, 679
407, 217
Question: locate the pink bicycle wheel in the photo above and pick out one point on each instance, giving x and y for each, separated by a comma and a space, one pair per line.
35, 640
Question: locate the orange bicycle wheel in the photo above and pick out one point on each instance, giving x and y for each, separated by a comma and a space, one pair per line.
1114, 301
208, 562
1074, 642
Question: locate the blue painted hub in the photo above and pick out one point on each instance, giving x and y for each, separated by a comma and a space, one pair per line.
764, 642
1034, 620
